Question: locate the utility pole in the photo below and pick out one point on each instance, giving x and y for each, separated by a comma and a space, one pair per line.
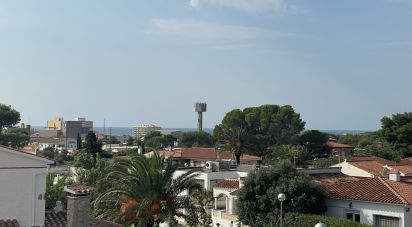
110, 138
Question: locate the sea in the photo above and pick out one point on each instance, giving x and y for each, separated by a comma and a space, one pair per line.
121, 131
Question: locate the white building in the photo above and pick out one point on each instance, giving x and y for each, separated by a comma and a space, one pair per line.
22, 188
378, 201
56, 143
141, 131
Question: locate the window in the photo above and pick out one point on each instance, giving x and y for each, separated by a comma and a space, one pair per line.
353, 216
385, 221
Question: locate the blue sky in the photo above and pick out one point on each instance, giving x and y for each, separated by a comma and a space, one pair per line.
341, 64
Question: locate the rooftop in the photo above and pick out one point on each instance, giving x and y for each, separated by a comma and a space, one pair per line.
206, 154
228, 183
378, 189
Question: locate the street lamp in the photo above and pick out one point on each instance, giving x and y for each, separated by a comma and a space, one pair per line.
281, 198
320, 224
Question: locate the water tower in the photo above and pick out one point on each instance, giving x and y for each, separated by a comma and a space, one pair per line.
200, 107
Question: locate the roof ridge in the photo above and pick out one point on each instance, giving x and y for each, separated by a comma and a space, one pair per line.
393, 190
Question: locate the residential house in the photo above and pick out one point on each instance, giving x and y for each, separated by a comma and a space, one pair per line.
53, 142
364, 166
199, 157
23, 186
378, 201
340, 149
224, 212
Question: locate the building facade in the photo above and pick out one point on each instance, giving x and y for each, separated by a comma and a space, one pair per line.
139, 132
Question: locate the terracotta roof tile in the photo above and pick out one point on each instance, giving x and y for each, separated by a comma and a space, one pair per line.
9, 223
207, 154
376, 189
372, 167
228, 183
78, 189
333, 144
405, 169
371, 158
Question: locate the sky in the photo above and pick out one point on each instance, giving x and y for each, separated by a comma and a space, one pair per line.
340, 64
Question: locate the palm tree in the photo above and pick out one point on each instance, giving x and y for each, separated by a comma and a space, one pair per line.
234, 138
143, 192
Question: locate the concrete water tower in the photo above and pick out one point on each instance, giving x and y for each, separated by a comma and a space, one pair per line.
200, 107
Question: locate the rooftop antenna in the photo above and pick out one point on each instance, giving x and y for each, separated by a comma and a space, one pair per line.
200, 107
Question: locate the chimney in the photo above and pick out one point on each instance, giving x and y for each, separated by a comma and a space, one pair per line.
78, 205
394, 175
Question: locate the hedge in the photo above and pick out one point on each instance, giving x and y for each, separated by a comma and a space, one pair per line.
305, 220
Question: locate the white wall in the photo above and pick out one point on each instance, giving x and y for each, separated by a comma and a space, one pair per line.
337, 208
22, 188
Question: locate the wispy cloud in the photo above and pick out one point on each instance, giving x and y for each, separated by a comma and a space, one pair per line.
251, 6
204, 30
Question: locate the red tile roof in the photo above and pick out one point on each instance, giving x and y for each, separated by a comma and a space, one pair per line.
228, 183
334, 145
9, 223
78, 189
206, 154
380, 190
334, 178
372, 167
371, 158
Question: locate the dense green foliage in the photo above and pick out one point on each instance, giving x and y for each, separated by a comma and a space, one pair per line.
92, 145
79, 142
156, 140
294, 153
315, 142
266, 126
59, 157
198, 217
397, 130
8, 116
234, 139
196, 139
258, 203
143, 192
305, 220
55, 192
326, 162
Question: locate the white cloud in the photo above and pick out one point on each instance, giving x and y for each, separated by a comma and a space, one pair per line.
204, 30
244, 5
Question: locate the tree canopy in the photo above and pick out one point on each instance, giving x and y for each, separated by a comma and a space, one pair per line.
196, 139
397, 130
143, 192
258, 203
8, 116
266, 126
315, 142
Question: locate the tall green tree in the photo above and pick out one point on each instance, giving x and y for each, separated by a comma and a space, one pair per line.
315, 142
397, 130
8, 116
258, 204
267, 126
92, 145
196, 139
15, 139
234, 139
199, 217
79, 142
144, 193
